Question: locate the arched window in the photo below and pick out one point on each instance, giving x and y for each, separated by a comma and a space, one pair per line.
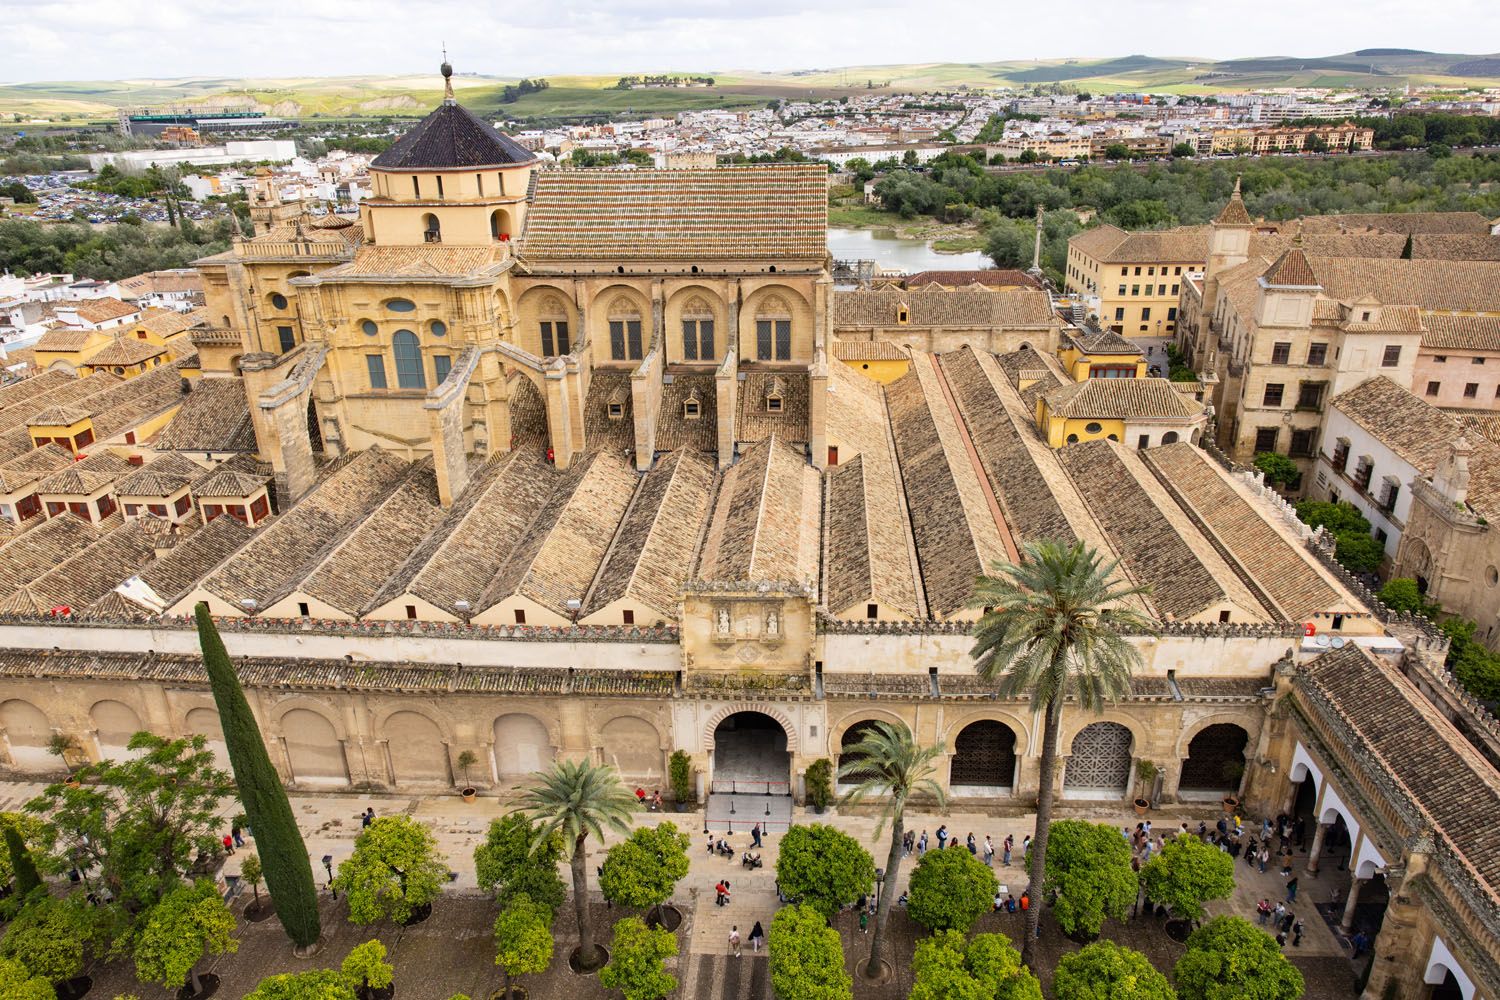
624, 330
500, 224
773, 330
431, 231
1169, 438
408, 351
553, 323
697, 331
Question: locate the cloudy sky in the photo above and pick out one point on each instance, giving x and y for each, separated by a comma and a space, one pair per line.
125, 39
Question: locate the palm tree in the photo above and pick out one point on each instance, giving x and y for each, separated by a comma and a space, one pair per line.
575, 799
1056, 631
889, 765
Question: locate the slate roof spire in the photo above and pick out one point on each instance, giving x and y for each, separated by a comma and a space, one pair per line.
1234, 212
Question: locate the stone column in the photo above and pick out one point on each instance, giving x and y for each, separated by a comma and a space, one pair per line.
1291, 796
1317, 848
1355, 885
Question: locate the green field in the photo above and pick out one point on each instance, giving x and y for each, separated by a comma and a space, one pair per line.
582, 96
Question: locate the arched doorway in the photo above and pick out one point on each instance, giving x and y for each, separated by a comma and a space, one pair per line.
1215, 760
205, 722
313, 750
114, 724
851, 738
28, 734
521, 746
418, 754
1449, 989
750, 756
633, 747
1099, 762
984, 759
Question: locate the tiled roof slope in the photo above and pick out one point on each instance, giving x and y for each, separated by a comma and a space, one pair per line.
657, 542
474, 549
1429, 284
1096, 340
87, 475
765, 524
175, 573
962, 307
555, 561
756, 421
449, 138
673, 429
990, 277
733, 213
1291, 270
1133, 510
354, 571
214, 417
600, 429
27, 557
1405, 737
867, 556
868, 350
159, 478
1413, 429
1461, 333
285, 551
1127, 398
88, 575
36, 464
1280, 569
954, 530
1400, 222
1110, 245
70, 390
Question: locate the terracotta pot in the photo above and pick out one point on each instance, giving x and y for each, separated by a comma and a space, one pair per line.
1142, 807
1230, 803
469, 794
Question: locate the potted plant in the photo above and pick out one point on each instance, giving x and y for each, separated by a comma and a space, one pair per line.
680, 774
1145, 774
1232, 772
819, 779
466, 760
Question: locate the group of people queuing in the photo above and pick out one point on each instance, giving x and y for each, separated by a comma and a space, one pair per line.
919, 844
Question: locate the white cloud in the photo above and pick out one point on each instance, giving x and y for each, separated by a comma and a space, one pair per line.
119, 39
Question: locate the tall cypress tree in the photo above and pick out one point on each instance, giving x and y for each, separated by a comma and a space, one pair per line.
283, 854
26, 877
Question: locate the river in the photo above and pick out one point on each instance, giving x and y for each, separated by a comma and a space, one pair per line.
893, 253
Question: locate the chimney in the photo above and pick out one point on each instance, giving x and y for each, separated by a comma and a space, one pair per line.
136, 460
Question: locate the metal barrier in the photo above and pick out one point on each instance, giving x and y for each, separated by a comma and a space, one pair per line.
730, 787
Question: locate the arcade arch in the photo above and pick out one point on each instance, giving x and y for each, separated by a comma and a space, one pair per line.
522, 746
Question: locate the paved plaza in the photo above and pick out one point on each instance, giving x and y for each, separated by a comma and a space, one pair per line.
453, 951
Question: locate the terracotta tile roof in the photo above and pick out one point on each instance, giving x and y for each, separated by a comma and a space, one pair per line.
1483, 423
159, 282
600, 430
291, 546
1233, 213
757, 421
102, 310
49, 544
125, 351
160, 478
867, 556
951, 521
1400, 222
32, 466
868, 350
65, 340
332, 220
1280, 569
172, 575
416, 262
70, 390
1291, 270
225, 482
1455, 246
1461, 333
334, 242
765, 524
86, 476
354, 572
556, 559
452, 137
1155, 540
126, 405
87, 575
59, 416
1428, 284
1187, 244
734, 213
673, 430
928, 307
28, 389
169, 322
990, 277
657, 543
1397, 732
1417, 432
1094, 340
504, 504
1127, 398
215, 417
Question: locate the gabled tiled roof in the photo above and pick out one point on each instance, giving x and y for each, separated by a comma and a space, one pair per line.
990, 277
765, 524
415, 262
1233, 213
226, 481
1291, 270
1427, 284
172, 575
102, 310
1400, 222
934, 306
65, 339
1417, 432
657, 542
1400, 736
27, 557
449, 138
59, 416
124, 351
1101, 341
1112, 245
214, 417
868, 350
88, 575
731, 213
31, 466
1461, 333
86, 476
1122, 398
161, 478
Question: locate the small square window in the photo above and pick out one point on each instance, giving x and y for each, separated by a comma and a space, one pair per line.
302, 609
1440, 358
1434, 387
627, 616
872, 611
1223, 616
520, 617
1471, 390
411, 611
1478, 361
